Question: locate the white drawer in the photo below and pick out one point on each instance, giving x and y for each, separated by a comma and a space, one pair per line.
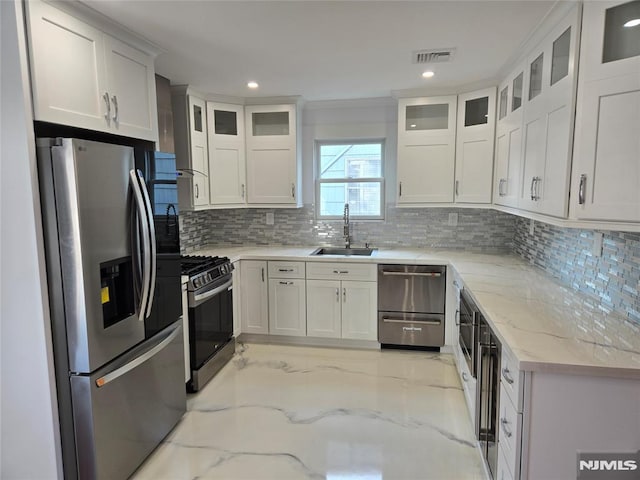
503, 470
510, 427
341, 271
511, 378
286, 269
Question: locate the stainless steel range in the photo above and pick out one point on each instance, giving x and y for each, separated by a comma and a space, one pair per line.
210, 293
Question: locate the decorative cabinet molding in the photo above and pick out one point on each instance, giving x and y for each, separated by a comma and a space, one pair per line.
90, 79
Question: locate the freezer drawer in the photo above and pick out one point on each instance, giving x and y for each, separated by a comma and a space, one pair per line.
123, 411
415, 329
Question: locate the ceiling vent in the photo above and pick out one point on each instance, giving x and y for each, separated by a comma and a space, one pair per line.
438, 55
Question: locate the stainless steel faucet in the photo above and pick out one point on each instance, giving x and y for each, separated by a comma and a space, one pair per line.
345, 229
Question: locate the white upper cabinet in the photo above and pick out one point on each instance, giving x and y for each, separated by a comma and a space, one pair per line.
273, 162
508, 151
84, 78
426, 149
190, 136
227, 161
474, 146
131, 86
549, 118
606, 171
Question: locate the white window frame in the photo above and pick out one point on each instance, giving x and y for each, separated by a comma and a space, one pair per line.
380, 180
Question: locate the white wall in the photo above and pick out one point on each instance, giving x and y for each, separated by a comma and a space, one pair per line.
350, 119
29, 443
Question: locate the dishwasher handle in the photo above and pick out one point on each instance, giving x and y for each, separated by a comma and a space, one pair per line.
411, 274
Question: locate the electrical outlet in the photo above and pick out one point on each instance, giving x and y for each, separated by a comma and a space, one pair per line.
270, 218
532, 226
596, 248
453, 219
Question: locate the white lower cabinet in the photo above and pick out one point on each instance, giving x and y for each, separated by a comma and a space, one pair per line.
342, 301
254, 297
324, 309
287, 307
359, 310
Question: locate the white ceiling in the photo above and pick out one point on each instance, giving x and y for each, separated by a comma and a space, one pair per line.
327, 49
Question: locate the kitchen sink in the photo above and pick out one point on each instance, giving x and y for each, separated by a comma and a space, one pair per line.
343, 251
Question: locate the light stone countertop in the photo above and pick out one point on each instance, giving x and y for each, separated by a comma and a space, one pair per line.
546, 326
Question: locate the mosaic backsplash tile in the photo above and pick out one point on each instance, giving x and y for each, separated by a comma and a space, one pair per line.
478, 229
611, 280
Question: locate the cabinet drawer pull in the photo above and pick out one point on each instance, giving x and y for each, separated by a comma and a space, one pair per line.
582, 189
506, 374
262, 273
286, 270
503, 424
400, 188
286, 283
341, 271
293, 190
457, 188
533, 181
197, 191
337, 295
243, 193
344, 295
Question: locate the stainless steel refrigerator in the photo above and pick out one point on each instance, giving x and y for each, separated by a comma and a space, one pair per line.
118, 360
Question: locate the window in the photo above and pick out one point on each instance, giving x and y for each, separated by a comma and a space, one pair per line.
350, 172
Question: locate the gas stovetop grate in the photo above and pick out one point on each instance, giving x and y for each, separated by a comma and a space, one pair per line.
194, 264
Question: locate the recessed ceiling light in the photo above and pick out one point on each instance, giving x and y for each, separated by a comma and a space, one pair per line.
633, 23
428, 74
252, 84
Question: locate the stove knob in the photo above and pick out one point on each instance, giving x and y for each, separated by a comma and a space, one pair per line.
196, 282
223, 269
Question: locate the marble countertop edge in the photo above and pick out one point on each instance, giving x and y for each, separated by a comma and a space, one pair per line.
576, 355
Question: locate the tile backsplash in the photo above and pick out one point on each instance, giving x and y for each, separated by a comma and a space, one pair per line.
477, 229
612, 280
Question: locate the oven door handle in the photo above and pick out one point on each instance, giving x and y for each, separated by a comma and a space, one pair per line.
203, 297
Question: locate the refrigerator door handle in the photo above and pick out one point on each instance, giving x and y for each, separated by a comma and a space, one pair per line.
152, 236
146, 261
118, 372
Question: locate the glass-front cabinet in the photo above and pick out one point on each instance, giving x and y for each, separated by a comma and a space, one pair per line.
426, 150
606, 170
227, 159
273, 160
474, 146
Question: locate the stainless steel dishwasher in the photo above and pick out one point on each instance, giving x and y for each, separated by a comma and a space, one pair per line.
411, 303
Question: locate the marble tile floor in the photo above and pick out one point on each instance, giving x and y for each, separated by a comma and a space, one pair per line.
285, 412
